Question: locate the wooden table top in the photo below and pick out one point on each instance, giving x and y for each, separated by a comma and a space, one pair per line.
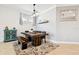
31, 33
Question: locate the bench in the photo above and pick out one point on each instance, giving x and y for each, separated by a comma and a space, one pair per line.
23, 41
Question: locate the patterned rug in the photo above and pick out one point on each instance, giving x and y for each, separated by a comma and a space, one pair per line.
43, 49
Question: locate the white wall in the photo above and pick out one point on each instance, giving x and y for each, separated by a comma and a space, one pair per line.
68, 31
60, 31
51, 26
10, 17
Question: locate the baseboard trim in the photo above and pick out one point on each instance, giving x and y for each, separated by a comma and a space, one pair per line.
63, 42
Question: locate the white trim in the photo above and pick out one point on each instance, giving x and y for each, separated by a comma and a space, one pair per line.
64, 42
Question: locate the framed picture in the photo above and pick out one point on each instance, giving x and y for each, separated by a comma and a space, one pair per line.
67, 13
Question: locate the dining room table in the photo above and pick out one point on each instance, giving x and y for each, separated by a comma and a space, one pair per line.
30, 35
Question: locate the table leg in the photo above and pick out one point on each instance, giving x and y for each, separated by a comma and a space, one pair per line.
45, 39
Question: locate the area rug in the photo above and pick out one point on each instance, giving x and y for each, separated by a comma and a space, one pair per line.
43, 49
